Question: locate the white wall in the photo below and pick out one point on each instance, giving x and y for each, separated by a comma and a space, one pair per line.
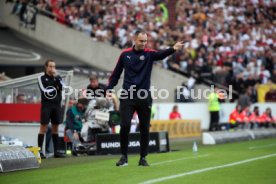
200, 111
26, 132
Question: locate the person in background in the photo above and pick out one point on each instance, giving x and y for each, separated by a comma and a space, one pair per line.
246, 114
153, 111
175, 114
269, 120
50, 85
73, 123
214, 108
244, 99
95, 89
255, 118
233, 116
20, 99
270, 96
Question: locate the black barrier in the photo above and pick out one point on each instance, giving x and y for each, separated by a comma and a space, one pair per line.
110, 143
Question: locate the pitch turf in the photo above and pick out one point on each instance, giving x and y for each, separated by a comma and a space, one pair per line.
239, 163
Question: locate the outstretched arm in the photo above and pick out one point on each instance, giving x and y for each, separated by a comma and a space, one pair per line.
159, 55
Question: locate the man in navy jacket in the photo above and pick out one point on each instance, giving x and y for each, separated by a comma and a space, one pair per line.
137, 63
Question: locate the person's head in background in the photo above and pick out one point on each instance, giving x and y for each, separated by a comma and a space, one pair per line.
94, 81
175, 108
268, 112
71, 102
50, 67
140, 40
256, 110
21, 99
82, 104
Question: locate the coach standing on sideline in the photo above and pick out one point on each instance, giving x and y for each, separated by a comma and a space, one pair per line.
50, 86
137, 63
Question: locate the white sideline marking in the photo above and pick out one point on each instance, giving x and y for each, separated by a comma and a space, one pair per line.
260, 147
185, 158
207, 169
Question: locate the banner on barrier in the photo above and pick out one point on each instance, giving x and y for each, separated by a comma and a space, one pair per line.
177, 128
110, 143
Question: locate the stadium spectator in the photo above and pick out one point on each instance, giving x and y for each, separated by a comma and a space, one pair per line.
264, 75
175, 114
244, 99
226, 39
86, 27
270, 96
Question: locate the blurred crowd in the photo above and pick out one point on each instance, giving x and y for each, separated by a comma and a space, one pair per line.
229, 42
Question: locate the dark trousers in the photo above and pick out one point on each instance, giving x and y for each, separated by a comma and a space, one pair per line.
214, 120
127, 109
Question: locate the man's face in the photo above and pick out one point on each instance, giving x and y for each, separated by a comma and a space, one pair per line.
141, 41
94, 83
21, 99
51, 68
82, 107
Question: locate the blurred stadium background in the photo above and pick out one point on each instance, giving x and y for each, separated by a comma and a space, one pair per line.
230, 45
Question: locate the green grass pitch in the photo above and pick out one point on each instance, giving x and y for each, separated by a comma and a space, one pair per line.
240, 163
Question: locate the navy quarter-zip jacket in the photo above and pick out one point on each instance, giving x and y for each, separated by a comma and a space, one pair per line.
137, 66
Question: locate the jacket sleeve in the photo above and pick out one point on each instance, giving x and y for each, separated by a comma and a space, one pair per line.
159, 55
115, 76
60, 83
43, 87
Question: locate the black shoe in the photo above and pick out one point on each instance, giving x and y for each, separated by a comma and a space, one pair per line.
143, 162
80, 147
74, 153
122, 161
59, 155
42, 156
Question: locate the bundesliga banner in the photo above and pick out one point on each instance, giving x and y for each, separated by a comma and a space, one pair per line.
110, 143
